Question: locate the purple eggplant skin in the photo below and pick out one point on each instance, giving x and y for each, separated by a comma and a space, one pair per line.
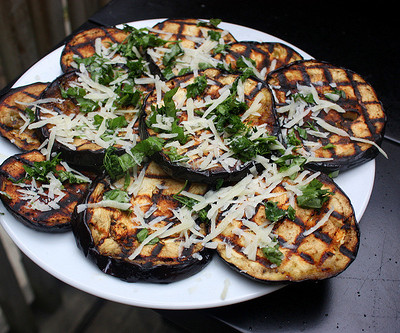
129, 271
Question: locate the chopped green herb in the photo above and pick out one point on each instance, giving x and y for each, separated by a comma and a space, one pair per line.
41, 169
184, 71
116, 195
85, 105
140, 39
274, 213
190, 202
197, 87
313, 195
169, 110
69, 177
273, 254
213, 23
309, 98
214, 35
292, 139
243, 67
175, 51
30, 114
286, 161
338, 92
334, 174
221, 48
173, 155
168, 73
118, 122
246, 149
116, 166
302, 133
328, 146
143, 234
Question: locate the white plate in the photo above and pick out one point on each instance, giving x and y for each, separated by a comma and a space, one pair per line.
59, 255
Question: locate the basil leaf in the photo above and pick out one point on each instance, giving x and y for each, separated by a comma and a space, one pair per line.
274, 213
116, 166
116, 195
214, 35
213, 23
170, 56
313, 195
197, 87
173, 155
30, 114
143, 234
40, 169
118, 122
70, 177
273, 254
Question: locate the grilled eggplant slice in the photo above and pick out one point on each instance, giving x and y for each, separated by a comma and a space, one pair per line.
16, 114
271, 234
83, 44
192, 44
267, 56
39, 205
153, 239
212, 129
328, 113
83, 127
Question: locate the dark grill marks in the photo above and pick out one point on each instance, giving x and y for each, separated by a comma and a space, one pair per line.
307, 258
53, 220
323, 237
347, 252
83, 44
358, 121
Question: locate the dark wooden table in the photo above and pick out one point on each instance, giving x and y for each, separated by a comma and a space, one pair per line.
366, 297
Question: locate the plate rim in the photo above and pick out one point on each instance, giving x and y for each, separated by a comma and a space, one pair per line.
217, 302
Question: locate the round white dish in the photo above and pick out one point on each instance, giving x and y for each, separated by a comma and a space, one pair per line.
216, 285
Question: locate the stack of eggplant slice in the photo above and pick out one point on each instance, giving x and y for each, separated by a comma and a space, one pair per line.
197, 144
